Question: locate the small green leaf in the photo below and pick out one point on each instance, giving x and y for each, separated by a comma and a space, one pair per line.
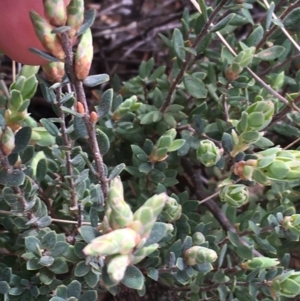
153, 274
46, 261
88, 21
95, 80
269, 16
44, 55
32, 244
146, 68
133, 278
74, 289
91, 279
103, 141
157, 233
88, 233
50, 127
292, 20
227, 143
44, 222
4, 287
46, 276
255, 36
202, 46
116, 171
89, 296
194, 86
49, 240
176, 145
80, 127
57, 299
178, 44
271, 53
244, 58
105, 103
222, 23
22, 139
59, 266
81, 269
41, 170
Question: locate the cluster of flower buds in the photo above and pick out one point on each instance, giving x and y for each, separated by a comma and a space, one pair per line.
271, 164
172, 210
254, 119
58, 15
208, 153
235, 195
286, 285
199, 255
54, 71
124, 232
242, 60
292, 223
129, 105
166, 143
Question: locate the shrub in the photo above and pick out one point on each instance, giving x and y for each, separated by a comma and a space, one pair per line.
180, 184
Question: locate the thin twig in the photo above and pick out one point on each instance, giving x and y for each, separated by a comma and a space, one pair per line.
291, 144
275, 27
210, 204
279, 65
66, 143
64, 221
282, 28
81, 97
190, 57
257, 78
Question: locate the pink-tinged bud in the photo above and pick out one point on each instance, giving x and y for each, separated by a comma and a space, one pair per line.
49, 40
117, 266
80, 108
7, 141
121, 241
84, 55
75, 11
56, 12
54, 71
199, 255
94, 117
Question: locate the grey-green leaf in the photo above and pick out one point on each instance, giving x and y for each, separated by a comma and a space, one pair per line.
105, 103
133, 278
292, 20
95, 80
194, 86
103, 141
22, 139
271, 53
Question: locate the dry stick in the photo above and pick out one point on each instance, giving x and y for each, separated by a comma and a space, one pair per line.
190, 57
258, 79
66, 143
282, 28
279, 65
81, 97
210, 204
275, 27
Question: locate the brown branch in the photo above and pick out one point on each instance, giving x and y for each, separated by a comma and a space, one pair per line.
210, 204
190, 57
81, 97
